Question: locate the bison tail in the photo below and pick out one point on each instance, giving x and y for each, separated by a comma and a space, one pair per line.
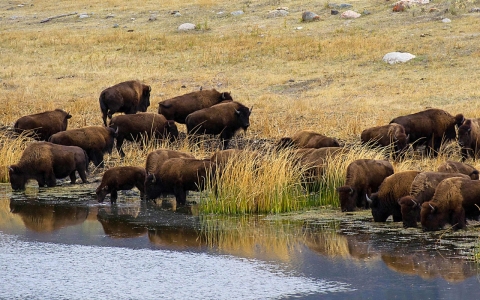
87, 161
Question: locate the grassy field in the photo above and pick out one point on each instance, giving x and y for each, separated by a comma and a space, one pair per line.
326, 76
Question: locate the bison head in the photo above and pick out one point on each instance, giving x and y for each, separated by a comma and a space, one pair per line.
171, 130
474, 175
145, 99
101, 193
17, 178
431, 217
284, 143
464, 134
226, 96
459, 119
380, 213
243, 117
348, 198
410, 211
152, 188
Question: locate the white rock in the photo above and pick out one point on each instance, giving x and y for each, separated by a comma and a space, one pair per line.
350, 14
186, 26
446, 20
237, 13
277, 13
397, 57
83, 16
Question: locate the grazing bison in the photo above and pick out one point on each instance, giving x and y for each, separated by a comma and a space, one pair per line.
156, 158
121, 178
469, 138
177, 176
95, 140
422, 190
45, 162
385, 202
141, 127
430, 127
178, 108
387, 135
453, 201
458, 167
307, 139
364, 176
128, 97
223, 119
44, 124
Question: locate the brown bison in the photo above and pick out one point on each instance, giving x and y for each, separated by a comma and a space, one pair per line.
141, 127
469, 138
128, 97
178, 108
458, 167
307, 139
422, 190
453, 201
177, 176
95, 140
155, 159
430, 127
45, 162
224, 119
384, 203
121, 178
44, 124
364, 176
392, 135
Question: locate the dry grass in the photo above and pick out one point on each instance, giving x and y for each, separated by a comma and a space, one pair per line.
327, 76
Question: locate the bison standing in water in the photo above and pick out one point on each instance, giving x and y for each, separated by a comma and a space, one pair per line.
307, 139
178, 108
95, 140
469, 138
386, 135
430, 127
44, 124
364, 176
142, 127
224, 119
128, 97
453, 201
45, 162
121, 178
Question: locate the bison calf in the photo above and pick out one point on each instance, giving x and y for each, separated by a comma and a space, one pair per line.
121, 178
224, 119
391, 135
44, 124
142, 127
364, 176
307, 139
128, 97
45, 162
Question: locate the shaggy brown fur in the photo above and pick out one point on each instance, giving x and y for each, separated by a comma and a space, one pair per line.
307, 139
156, 158
458, 167
44, 124
121, 178
387, 135
469, 138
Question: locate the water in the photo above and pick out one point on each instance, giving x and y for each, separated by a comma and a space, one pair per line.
60, 244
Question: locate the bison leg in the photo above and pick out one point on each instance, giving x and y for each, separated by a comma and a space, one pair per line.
458, 219
113, 196
73, 177
180, 196
50, 179
119, 146
225, 138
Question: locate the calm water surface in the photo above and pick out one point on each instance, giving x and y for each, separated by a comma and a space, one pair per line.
60, 244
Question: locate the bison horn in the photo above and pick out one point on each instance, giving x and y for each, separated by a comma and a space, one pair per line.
237, 112
153, 178
368, 199
251, 109
351, 190
414, 203
433, 208
11, 169
223, 96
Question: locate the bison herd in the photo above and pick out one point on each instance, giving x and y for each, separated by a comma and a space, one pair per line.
448, 195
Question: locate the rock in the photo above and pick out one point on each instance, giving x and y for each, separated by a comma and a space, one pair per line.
177, 14
186, 27
350, 14
366, 12
446, 20
109, 16
237, 13
308, 16
83, 16
277, 13
341, 5
115, 25
334, 12
152, 18
399, 7
475, 9
397, 57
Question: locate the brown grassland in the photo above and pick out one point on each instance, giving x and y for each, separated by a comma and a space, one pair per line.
326, 76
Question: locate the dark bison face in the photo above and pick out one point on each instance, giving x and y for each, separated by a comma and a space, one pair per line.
347, 196
101, 193
112, 134
474, 175
171, 130
410, 211
401, 142
431, 218
464, 134
380, 213
17, 178
152, 188
226, 96
145, 99
243, 117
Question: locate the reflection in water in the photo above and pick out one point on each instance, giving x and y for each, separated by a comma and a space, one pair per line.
118, 223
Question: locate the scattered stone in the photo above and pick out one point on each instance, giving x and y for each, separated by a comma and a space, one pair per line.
186, 27
115, 25
446, 20
350, 14
237, 13
177, 14
282, 8
277, 13
366, 12
341, 5
152, 18
308, 16
399, 7
174, 12
83, 16
109, 16
298, 28
475, 9
397, 57
334, 12
433, 9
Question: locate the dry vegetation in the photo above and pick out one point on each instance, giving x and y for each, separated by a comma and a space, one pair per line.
327, 76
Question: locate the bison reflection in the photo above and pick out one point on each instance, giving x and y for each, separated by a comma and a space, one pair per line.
120, 224
48, 217
177, 238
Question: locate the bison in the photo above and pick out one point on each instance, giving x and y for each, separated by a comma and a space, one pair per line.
390, 135
177, 176
453, 201
469, 138
385, 202
422, 189
121, 178
178, 108
223, 119
44, 124
458, 167
430, 127
95, 140
45, 162
307, 139
128, 97
142, 127
364, 176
